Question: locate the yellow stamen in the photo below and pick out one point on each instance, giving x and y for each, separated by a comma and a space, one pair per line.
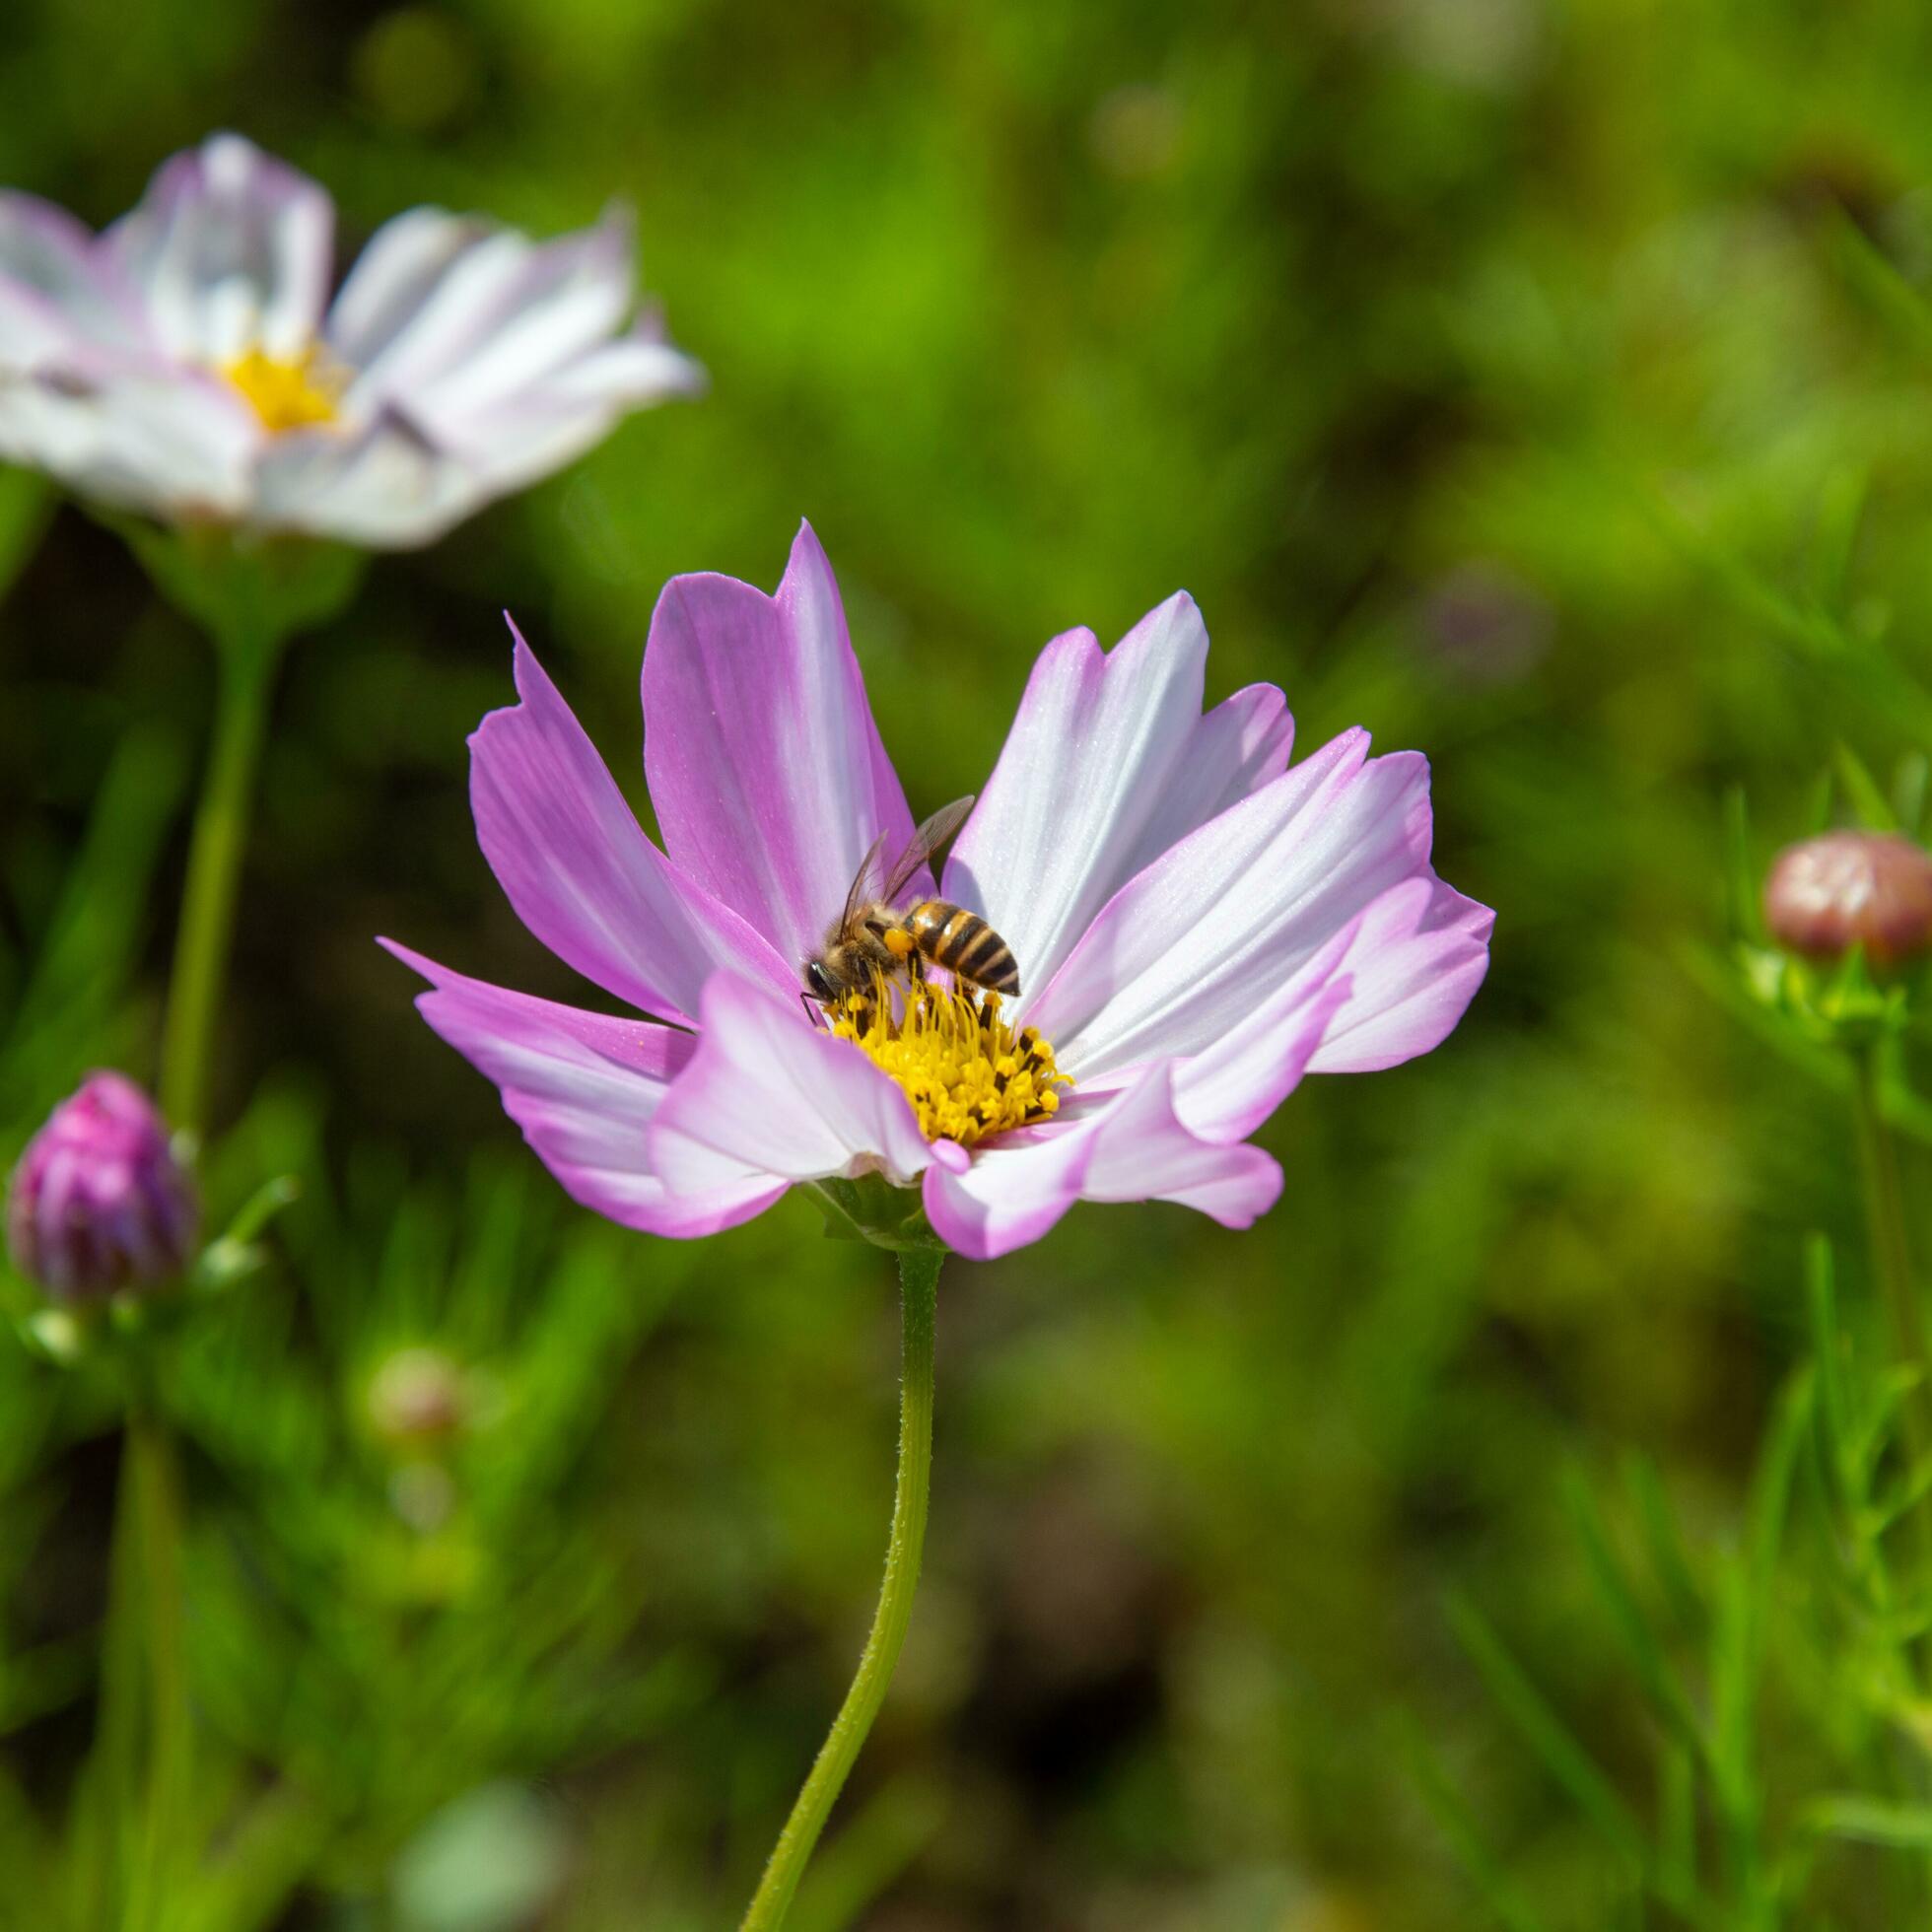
966, 1071
289, 392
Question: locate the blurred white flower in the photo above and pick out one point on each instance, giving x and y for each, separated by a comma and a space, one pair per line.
187, 361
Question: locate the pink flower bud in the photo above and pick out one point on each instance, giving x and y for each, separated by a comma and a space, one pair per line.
98, 1202
1845, 889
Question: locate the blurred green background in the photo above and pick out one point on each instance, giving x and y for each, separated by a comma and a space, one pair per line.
1511, 376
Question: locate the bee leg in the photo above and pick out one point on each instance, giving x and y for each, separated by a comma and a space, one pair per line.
814, 1012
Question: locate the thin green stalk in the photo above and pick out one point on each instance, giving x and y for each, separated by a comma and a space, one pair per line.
918, 1280
1892, 1263
246, 671
151, 1492
103, 1870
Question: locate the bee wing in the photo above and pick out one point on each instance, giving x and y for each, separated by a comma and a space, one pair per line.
931, 836
864, 884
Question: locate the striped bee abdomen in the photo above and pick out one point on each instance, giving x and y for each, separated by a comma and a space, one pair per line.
964, 944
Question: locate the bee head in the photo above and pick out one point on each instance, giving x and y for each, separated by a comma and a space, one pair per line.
820, 982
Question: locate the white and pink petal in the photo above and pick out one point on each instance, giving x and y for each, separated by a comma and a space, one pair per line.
229, 250
380, 482
1130, 1145
766, 770
1146, 1151
552, 422
1109, 763
388, 289
1226, 1090
769, 1096
58, 288
1414, 964
1215, 927
450, 318
1008, 1194
584, 1088
573, 294
579, 871
131, 434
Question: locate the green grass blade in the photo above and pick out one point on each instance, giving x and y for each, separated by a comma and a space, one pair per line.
1660, 1684
1664, 1544
1481, 1866
1872, 1821
1566, 1760
1867, 795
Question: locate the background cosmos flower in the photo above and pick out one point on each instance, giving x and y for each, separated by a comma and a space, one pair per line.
187, 361
1197, 923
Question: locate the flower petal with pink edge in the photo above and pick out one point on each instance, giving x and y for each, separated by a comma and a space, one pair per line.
1132, 1145
574, 292
547, 425
579, 870
391, 282
584, 1088
449, 317
131, 434
1146, 1151
1012, 1192
384, 482
1413, 965
768, 1096
1198, 941
766, 770
56, 286
1108, 764
1226, 1090
230, 250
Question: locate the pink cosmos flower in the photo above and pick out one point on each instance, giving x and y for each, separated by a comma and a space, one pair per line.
1197, 923
187, 361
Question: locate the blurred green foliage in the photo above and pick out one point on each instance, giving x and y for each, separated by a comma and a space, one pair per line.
1545, 383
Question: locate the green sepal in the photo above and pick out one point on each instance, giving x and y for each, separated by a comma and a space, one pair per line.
871, 1209
237, 1251
239, 583
60, 1335
1839, 1004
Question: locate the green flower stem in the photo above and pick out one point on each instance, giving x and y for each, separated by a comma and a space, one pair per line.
918, 1280
1892, 1263
247, 658
151, 1497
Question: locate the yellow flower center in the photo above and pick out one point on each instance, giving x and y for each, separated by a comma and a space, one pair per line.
966, 1071
297, 392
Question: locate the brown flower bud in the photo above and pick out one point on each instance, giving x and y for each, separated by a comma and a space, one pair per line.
418, 1396
1845, 889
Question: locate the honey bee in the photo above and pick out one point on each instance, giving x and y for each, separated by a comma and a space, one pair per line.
870, 936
